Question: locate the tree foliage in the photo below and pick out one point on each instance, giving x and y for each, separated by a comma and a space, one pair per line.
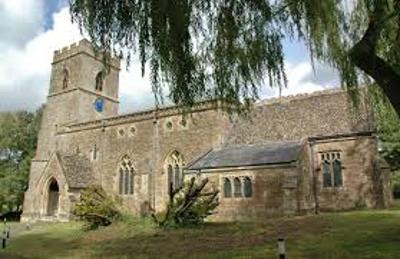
96, 208
188, 205
18, 137
225, 50
388, 123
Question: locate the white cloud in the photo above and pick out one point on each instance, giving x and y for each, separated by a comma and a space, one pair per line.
303, 79
135, 90
25, 71
20, 21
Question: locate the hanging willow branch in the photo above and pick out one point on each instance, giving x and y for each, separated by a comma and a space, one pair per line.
227, 50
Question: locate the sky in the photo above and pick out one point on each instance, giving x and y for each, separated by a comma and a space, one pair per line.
30, 31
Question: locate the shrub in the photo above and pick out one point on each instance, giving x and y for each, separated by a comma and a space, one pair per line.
96, 208
188, 205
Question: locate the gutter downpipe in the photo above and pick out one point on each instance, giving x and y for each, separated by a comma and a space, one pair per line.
314, 176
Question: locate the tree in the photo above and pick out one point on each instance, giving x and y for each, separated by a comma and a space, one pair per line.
388, 127
18, 137
225, 49
188, 205
389, 133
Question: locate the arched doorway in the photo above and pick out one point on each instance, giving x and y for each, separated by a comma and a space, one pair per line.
53, 196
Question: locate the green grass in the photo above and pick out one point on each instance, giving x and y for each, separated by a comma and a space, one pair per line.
357, 234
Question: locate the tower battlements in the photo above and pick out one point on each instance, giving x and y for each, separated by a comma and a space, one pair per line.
83, 46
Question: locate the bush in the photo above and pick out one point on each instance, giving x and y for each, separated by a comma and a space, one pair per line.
188, 205
96, 208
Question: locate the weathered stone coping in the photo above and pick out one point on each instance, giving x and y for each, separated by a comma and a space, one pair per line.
150, 114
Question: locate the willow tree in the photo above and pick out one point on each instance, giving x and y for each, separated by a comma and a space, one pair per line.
226, 49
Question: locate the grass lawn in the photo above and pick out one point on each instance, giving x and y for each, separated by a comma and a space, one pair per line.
358, 234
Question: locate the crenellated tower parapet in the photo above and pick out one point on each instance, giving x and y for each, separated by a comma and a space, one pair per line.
83, 46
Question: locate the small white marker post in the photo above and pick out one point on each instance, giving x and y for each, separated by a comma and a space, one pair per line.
281, 248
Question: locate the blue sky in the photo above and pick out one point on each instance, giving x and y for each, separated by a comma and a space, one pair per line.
35, 28
51, 7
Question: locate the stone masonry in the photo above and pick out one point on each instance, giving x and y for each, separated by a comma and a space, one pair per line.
83, 141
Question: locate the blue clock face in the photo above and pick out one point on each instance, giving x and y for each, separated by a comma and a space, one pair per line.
99, 104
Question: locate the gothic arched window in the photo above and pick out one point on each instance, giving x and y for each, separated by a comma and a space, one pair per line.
99, 81
227, 188
174, 166
247, 187
65, 81
126, 177
237, 187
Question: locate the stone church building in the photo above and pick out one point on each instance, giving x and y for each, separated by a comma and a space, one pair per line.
288, 156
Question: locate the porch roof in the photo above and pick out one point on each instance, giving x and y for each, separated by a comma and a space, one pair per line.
77, 170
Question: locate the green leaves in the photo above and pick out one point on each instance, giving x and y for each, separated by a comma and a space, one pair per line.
188, 205
18, 136
225, 50
388, 123
96, 208
200, 49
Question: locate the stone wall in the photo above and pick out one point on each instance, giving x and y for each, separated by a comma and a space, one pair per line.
275, 193
294, 118
148, 145
359, 154
71, 125
36, 197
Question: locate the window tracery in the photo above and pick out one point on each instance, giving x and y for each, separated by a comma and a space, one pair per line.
126, 176
332, 169
174, 165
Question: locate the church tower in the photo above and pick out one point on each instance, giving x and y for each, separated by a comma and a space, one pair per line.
82, 89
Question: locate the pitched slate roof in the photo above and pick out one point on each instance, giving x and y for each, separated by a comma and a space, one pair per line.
77, 170
249, 155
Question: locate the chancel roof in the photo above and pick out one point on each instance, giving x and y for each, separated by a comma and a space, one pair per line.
249, 155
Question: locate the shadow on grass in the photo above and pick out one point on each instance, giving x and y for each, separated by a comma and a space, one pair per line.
359, 234
212, 240
41, 245
362, 234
